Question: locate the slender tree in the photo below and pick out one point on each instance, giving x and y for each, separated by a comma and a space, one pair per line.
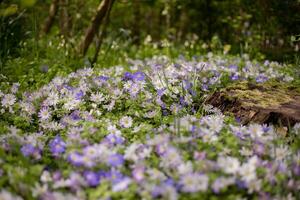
93, 29
102, 34
50, 19
64, 19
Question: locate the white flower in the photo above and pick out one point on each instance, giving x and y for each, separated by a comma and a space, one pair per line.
194, 182
6, 195
229, 164
71, 104
126, 122
44, 114
248, 170
123, 184
97, 97
255, 130
52, 99
246, 152
281, 153
46, 177
8, 100
185, 168
297, 128
254, 185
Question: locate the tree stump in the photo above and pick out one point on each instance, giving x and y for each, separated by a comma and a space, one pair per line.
269, 103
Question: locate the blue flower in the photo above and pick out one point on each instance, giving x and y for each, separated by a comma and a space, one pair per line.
79, 95
138, 76
92, 178
75, 158
127, 76
28, 150
261, 78
57, 146
234, 77
114, 139
103, 78
115, 160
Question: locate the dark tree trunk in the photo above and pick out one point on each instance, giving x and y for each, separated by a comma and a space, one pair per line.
64, 21
137, 22
50, 19
94, 26
102, 34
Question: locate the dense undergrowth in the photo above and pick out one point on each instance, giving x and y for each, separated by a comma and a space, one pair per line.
138, 129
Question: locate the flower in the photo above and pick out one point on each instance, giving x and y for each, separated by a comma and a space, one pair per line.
229, 164
221, 183
92, 178
255, 130
97, 97
75, 158
138, 76
44, 114
114, 139
8, 100
28, 150
194, 182
126, 122
57, 146
248, 170
121, 184
115, 160
261, 78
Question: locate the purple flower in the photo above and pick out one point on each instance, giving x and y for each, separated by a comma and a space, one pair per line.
138, 76
161, 91
75, 158
182, 101
28, 150
79, 95
114, 139
261, 78
122, 184
138, 173
205, 87
296, 169
127, 76
103, 78
115, 160
92, 178
259, 148
75, 115
57, 146
234, 77
114, 176
233, 68
187, 85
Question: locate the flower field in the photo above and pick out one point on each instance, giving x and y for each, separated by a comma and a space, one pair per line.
144, 131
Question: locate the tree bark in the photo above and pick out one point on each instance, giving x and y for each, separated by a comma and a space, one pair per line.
262, 104
102, 34
64, 21
137, 22
94, 26
50, 19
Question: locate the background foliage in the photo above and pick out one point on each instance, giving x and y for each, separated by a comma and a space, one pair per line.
261, 28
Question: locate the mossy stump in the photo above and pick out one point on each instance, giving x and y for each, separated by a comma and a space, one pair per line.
268, 103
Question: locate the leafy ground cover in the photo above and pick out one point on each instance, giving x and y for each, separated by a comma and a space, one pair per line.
142, 131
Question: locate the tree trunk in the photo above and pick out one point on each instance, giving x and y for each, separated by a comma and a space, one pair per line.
50, 19
102, 34
137, 22
64, 21
94, 27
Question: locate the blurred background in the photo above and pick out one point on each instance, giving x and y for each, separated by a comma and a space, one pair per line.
264, 29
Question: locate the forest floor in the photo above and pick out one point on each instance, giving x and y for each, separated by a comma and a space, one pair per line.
209, 127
